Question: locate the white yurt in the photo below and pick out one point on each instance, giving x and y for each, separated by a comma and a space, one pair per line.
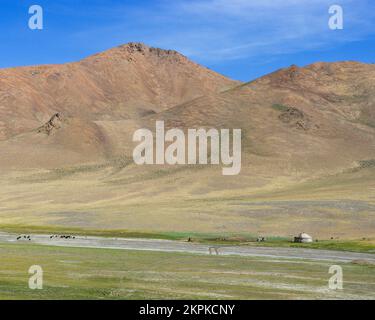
303, 238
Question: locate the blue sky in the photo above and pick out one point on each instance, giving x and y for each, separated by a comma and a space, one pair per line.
243, 39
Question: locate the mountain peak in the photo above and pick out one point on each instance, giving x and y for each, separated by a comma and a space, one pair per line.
139, 47
124, 82
135, 49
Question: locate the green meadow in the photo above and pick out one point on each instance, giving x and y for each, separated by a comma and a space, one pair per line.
75, 273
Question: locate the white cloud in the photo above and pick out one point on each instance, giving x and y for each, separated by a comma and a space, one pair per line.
213, 30
232, 29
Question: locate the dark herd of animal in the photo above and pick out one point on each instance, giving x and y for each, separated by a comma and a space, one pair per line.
62, 237
28, 238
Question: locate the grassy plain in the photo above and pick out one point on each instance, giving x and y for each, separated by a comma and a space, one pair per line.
179, 202
72, 273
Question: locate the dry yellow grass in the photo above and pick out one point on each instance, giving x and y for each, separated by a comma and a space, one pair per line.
188, 200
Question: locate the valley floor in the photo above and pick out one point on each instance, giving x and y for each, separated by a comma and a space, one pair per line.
187, 201
177, 204
87, 273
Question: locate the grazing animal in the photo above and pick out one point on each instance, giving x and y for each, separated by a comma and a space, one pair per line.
213, 249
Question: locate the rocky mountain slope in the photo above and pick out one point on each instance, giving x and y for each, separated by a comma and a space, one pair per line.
317, 118
308, 146
126, 82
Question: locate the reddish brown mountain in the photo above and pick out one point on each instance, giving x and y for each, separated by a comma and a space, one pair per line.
126, 82
307, 120
308, 135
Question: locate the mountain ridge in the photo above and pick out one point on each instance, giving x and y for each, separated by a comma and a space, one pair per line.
102, 107
308, 147
124, 82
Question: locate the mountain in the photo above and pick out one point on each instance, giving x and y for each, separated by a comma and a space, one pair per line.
124, 83
308, 146
320, 118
